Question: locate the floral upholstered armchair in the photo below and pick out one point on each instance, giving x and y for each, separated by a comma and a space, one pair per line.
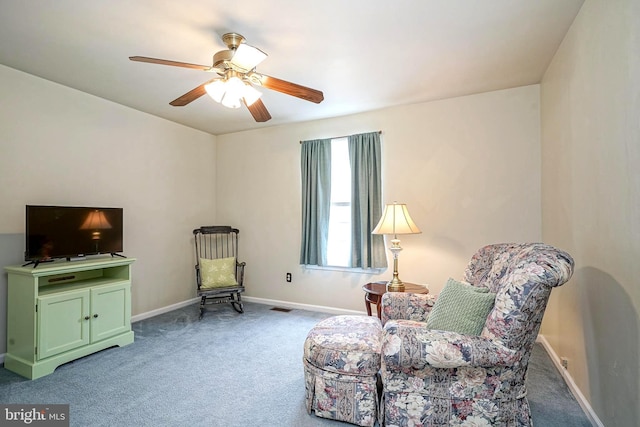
434, 377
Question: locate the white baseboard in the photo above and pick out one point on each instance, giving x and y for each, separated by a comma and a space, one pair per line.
298, 306
584, 403
277, 303
158, 311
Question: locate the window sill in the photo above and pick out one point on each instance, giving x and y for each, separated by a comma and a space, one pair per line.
345, 269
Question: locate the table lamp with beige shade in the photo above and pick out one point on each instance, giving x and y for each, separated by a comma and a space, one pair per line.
396, 220
96, 221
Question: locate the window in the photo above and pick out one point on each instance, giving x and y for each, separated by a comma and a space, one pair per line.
339, 238
341, 202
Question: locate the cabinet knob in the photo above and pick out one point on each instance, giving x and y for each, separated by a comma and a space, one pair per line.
95, 316
86, 317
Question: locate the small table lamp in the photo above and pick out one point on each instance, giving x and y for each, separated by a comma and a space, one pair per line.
396, 220
96, 221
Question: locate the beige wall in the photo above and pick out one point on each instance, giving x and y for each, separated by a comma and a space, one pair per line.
468, 169
62, 146
590, 115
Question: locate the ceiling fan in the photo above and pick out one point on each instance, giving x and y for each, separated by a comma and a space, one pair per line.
236, 68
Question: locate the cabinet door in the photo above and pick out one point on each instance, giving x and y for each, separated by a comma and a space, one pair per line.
63, 322
110, 311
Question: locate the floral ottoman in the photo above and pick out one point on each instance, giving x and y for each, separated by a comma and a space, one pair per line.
341, 365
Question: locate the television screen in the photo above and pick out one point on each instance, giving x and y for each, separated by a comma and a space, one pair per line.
71, 231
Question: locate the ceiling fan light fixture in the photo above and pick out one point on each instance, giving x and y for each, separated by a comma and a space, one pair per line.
250, 95
231, 102
215, 90
231, 92
234, 91
247, 57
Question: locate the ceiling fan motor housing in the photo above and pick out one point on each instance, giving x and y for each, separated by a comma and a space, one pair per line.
221, 59
232, 40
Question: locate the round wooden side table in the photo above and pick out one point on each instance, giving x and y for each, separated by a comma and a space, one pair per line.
373, 293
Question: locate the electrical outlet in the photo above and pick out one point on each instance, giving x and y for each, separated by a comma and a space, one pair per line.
565, 362
288, 277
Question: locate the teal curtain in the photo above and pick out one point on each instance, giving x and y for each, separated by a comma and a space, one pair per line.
367, 250
316, 200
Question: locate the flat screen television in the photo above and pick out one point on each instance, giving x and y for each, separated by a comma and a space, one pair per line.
54, 232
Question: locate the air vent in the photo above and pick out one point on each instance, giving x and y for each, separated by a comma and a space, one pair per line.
281, 309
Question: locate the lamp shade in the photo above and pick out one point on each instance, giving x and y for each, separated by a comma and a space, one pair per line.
247, 57
230, 92
96, 220
215, 89
234, 90
250, 95
396, 220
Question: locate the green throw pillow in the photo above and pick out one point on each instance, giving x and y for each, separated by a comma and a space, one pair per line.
461, 308
217, 273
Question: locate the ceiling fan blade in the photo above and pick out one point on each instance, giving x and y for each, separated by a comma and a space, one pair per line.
190, 96
259, 111
167, 62
292, 89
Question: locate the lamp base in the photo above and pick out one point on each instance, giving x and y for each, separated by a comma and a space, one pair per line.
395, 286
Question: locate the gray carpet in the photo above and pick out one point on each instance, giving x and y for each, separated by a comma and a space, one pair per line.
227, 370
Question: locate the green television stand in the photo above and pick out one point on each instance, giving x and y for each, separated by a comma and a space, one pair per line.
64, 310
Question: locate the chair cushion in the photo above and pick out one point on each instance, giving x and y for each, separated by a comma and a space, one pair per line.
461, 308
346, 345
217, 273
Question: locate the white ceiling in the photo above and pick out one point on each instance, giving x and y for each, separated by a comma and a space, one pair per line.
363, 54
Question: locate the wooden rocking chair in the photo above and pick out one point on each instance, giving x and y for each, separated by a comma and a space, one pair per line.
219, 275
